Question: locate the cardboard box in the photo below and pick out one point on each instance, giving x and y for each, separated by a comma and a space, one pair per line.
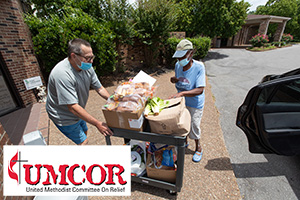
174, 120
126, 120
130, 120
159, 174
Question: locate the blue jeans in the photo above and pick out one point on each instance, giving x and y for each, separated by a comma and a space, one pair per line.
75, 132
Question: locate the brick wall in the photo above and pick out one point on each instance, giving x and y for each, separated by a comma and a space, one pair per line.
4, 140
180, 35
135, 55
17, 49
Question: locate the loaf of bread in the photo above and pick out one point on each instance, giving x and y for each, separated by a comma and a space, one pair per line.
129, 97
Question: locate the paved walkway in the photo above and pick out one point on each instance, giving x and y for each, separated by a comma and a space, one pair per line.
212, 178
26, 120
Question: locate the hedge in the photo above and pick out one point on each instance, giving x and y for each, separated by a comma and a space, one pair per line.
50, 38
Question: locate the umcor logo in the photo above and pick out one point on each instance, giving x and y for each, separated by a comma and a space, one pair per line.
63, 170
11, 172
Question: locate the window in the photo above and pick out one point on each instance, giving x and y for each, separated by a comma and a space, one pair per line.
287, 92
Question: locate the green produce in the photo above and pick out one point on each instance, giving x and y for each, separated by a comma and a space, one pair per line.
155, 105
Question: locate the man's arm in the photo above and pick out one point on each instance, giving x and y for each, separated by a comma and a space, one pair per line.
80, 112
103, 93
189, 93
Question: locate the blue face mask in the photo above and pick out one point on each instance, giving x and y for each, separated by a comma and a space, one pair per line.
184, 62
84, 65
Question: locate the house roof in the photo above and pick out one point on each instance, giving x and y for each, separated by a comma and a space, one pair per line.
256, 19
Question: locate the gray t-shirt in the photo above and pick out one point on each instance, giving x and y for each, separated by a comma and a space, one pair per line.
66, 86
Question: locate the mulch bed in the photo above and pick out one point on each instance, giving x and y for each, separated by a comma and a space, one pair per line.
260, 49
130, 72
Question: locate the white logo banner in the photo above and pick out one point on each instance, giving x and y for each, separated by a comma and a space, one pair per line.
67, 170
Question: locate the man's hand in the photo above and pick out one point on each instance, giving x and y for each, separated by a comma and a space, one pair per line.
104, 129
84, 115
174, 79
180, 94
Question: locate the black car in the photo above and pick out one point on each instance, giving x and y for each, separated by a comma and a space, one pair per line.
270, 115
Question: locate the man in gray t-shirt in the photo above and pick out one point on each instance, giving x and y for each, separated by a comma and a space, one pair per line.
68, 92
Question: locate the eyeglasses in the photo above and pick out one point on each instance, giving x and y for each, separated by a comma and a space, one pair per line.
87, 58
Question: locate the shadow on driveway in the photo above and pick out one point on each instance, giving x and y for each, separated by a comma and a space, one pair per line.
212, 55
261, 169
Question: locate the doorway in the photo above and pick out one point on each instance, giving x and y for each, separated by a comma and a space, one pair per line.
8, 99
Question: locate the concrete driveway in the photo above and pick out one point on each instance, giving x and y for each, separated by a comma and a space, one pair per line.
231, 73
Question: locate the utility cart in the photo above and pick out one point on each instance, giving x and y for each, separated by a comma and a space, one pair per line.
177, 141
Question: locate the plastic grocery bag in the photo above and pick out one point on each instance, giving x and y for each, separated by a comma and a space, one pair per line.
163, 155
138, 157
168, 158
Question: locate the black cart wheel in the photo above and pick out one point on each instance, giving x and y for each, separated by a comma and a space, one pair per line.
172, 192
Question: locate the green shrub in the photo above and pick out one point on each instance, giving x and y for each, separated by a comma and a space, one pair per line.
117, 16
169, 50
287, 38
200, 44
278, 44
296, 39
50, 39
259, 40
267, 44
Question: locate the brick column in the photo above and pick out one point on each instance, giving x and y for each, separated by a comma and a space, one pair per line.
279, 31
263, 27
237, 37
214, 41
245, 35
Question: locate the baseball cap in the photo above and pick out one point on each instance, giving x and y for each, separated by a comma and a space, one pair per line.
182, 47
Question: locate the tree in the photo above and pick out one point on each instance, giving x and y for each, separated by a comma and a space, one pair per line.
153, 20
212, 18
45, 8
222, 17
284, 8
119, 19
117, 15
188, 16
